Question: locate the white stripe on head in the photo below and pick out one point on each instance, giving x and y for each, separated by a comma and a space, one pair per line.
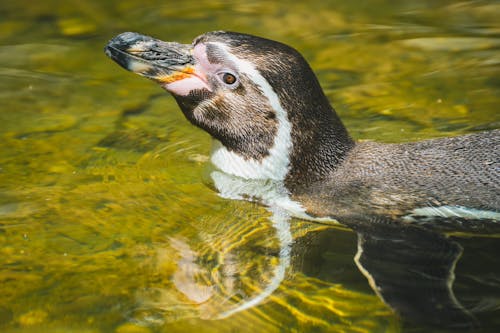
274, 166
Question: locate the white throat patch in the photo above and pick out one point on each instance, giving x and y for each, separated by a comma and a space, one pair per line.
275, 166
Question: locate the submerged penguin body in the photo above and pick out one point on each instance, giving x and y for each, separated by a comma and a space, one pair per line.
424, 178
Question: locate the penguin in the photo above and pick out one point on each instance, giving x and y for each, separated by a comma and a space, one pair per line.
272, 123
278, 141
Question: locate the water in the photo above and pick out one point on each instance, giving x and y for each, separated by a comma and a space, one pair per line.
106, 224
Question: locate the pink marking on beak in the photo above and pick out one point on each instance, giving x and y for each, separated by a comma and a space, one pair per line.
184, 86
197, 79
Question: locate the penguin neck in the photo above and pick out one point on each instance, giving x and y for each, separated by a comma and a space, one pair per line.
307, 151
320, 144
316, 148
310, 143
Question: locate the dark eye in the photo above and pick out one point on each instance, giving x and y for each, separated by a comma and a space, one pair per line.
228, 78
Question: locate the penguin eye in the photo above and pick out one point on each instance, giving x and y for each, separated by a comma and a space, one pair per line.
228, 78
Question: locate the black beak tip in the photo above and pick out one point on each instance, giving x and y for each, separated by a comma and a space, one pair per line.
126, 39
116, 45
107, 51
129, 49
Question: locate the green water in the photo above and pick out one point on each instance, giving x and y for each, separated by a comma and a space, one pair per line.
106, 224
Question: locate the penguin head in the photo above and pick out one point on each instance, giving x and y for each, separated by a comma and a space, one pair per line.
247, 92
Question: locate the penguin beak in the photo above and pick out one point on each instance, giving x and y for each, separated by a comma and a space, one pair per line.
163, 62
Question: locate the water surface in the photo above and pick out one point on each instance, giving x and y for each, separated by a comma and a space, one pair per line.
106, 224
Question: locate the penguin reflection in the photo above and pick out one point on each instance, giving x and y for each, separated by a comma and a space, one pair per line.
410, 268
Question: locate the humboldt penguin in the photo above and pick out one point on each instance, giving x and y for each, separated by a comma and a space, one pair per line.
271, 121
278, 140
